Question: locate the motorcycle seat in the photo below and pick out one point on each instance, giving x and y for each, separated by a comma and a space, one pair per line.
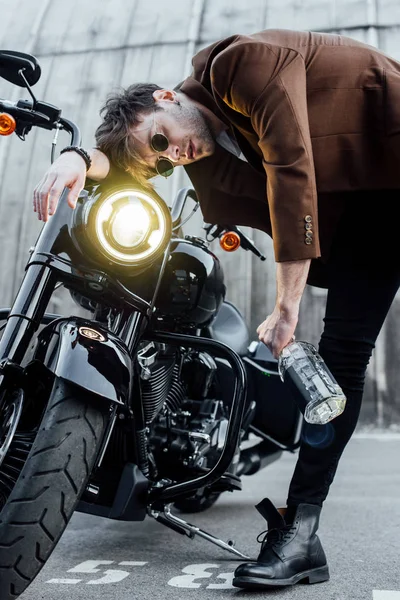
230, 328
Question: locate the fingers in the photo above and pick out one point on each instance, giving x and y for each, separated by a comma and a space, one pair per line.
41, 196
275, 335
53, 198
47, 194
74, 193
36, 193
67, 171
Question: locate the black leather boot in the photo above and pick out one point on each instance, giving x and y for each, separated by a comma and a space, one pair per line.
290, 551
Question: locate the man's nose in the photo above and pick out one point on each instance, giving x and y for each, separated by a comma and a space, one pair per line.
173, 152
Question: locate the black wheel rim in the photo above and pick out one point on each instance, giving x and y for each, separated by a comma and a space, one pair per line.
15, 445
10, 415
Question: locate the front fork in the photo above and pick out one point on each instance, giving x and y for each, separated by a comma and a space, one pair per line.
23, 320
26, 313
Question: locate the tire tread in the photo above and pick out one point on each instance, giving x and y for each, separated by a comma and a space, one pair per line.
44, 484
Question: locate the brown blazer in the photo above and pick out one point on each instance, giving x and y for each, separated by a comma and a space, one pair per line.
314, 114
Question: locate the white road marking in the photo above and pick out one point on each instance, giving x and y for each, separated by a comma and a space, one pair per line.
188, 580
199, 571
192, 572
227, 585
89, 566
63, 580
110, 576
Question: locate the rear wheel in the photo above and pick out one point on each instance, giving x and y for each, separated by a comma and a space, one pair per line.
42, 476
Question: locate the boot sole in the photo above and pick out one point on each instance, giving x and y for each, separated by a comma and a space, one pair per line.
313, 576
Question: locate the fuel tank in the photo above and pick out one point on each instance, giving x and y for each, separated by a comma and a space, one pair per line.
192, 288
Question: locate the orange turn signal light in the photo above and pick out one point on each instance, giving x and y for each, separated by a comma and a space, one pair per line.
229, 241
7, 124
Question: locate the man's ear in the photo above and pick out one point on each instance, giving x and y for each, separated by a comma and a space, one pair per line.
164, 95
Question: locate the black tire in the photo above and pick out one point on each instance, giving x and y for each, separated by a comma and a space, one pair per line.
45, 495
197, 504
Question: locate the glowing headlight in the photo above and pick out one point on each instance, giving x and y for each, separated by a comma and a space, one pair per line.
131, 227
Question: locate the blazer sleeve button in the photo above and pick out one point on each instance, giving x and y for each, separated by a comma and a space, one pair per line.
308, 218
308, 241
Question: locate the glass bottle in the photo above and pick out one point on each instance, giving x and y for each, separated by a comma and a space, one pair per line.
315, 390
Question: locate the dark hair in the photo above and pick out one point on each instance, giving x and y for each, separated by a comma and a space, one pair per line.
121, 111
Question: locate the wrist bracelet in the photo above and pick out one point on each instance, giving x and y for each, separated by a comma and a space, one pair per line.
81, 152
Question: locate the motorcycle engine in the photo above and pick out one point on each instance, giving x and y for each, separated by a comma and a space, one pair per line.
187, 426
160, 381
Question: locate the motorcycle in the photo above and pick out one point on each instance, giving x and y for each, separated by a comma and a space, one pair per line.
158, 402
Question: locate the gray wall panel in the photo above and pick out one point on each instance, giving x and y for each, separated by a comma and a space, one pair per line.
224, 18
388, 13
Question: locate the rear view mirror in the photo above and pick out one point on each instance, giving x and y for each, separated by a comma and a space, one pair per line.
11, 63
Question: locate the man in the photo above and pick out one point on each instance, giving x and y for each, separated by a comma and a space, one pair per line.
296, 134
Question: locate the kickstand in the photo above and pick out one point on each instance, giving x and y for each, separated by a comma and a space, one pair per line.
167, 518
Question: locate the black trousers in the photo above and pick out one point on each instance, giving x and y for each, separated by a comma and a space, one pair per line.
364, 276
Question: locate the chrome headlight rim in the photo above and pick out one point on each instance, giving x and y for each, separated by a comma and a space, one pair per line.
86, 227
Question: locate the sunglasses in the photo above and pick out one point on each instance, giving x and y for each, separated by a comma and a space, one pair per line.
159, 143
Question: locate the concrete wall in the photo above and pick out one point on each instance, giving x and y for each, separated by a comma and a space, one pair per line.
86, 48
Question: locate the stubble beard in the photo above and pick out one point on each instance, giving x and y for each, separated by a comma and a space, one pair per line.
190, 117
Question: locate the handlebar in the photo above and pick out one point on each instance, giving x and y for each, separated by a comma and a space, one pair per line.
30, 114
73, 130
179, 204
212, 231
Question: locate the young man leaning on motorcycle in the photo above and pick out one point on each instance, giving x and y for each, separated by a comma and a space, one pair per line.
296, 134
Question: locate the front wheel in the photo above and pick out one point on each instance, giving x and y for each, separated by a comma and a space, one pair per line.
43, 498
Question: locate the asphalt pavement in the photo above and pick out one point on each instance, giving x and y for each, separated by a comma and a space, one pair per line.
100, 559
